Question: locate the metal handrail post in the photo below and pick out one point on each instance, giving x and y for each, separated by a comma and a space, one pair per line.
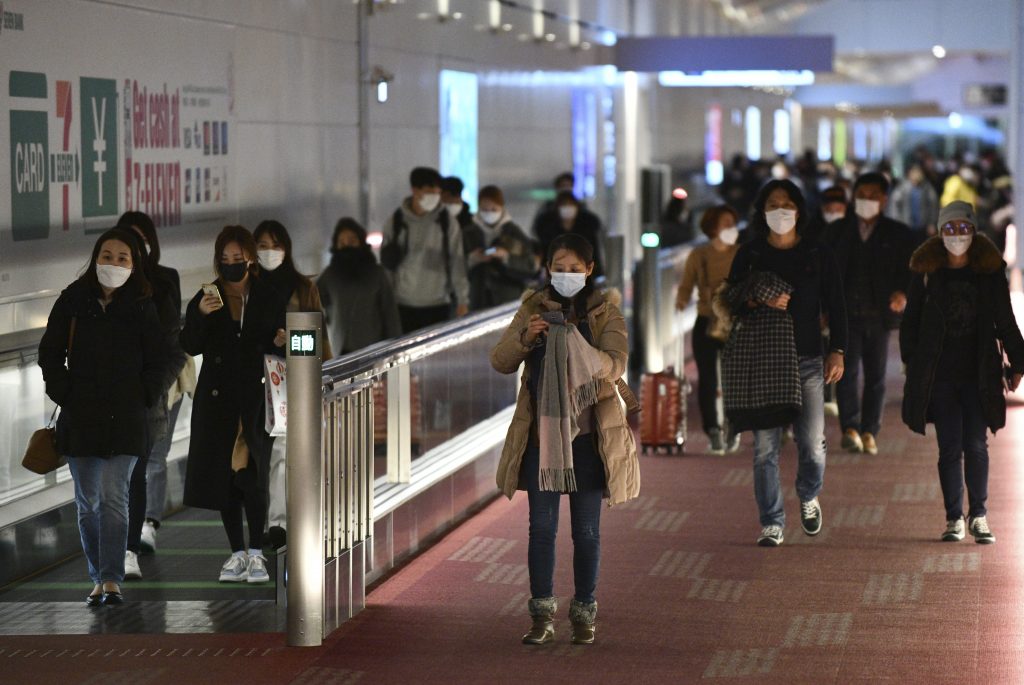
650, 280
305, 567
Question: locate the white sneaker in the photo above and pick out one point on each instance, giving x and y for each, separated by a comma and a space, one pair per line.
131, 566
147, 543
954, 531
978, 526
258, 569
771, 536
235, 569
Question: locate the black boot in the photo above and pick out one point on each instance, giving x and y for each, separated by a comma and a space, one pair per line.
543, 613
584, 620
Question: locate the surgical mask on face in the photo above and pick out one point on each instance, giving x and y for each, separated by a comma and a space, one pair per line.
271, 259
957, 244
781, 221
568, 284
567, 212
867, 209
111, 275
429, 201
490, 218
833, 216
729, 235
454, 208
234, 272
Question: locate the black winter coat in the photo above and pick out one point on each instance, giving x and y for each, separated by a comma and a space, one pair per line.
116, 370
230, 389
167, 299
548, 226
923, 330
891, 244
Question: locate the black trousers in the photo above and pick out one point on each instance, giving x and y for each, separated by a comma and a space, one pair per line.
706, 352
415, 318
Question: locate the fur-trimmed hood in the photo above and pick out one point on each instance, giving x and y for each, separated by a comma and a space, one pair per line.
597, 298
983, 256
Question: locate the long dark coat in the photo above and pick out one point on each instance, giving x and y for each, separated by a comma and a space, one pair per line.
923, 330
230, 389
115, 372
892, 245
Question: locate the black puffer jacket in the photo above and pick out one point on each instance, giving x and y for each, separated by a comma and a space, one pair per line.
923, 329
116, 370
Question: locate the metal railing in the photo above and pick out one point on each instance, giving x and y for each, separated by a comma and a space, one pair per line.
346, 446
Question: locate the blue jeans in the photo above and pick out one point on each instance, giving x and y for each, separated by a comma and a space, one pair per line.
809, 431
156, 469
101, 493
585, 510
867, 345
961, 432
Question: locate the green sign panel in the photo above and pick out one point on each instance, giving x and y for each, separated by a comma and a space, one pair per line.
30, 188
99, 147
302, 344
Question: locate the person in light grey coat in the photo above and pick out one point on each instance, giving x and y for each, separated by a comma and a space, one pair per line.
356, 293
915, 203
423, 250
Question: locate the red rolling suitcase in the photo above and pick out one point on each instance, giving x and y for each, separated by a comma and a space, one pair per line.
663, 418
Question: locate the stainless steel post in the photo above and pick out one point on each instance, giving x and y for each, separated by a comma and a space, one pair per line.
305, 568
363, 40
650, 307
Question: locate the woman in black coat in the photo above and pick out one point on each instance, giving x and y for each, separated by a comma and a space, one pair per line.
958, 307
229, 450
103, 358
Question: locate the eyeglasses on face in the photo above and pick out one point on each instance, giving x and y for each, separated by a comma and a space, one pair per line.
957, 228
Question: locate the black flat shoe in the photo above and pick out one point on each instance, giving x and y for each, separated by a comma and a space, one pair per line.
93, 600
112, 599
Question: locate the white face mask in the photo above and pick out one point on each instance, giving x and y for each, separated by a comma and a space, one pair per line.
490, 218
833, 216
781, 221
112, 276
429, 201
271, 259
454, 208
957, 244
567, 212
568, 284
867, 209
729, 236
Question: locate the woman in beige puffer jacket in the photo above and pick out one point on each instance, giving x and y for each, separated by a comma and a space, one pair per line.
604, 453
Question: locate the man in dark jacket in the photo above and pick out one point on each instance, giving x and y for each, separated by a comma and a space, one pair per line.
873, 253
570, 216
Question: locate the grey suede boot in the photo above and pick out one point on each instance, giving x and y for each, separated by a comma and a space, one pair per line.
584, 619
543, 613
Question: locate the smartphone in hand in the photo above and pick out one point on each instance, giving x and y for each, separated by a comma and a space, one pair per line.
212, 289
555, 317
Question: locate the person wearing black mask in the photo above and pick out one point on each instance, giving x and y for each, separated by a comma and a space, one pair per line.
232, 323
358, 300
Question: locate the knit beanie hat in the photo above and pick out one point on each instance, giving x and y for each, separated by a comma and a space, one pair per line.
957, 210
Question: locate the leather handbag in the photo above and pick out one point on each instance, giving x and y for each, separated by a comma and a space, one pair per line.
41, 455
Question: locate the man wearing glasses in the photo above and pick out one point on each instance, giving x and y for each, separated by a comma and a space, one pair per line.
873, 252
957, 323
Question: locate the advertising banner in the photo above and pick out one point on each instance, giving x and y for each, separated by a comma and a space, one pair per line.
95, 128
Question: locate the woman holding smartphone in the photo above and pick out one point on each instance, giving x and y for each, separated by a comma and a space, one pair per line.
602, 461
231, 322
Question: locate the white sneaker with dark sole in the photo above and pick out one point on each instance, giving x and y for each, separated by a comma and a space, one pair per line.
978, 527
954, 531
771, 536
147, 543
810, 517
258, 569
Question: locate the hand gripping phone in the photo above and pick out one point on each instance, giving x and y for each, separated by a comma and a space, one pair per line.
211, 289
555, 317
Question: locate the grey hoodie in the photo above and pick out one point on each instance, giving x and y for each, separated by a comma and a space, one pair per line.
420, 280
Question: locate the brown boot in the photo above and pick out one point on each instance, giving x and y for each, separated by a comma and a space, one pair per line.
543, 613
584, 620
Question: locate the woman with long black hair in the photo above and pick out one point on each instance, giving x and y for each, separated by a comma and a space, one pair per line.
571, 337
103, 360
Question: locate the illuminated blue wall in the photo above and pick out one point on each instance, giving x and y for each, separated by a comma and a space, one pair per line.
459, 115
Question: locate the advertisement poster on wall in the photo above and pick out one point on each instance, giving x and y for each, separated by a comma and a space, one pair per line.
97, 128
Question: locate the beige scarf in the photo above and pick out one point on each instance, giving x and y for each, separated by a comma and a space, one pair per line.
567, 387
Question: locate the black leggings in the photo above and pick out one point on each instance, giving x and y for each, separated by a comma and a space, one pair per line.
245, 492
